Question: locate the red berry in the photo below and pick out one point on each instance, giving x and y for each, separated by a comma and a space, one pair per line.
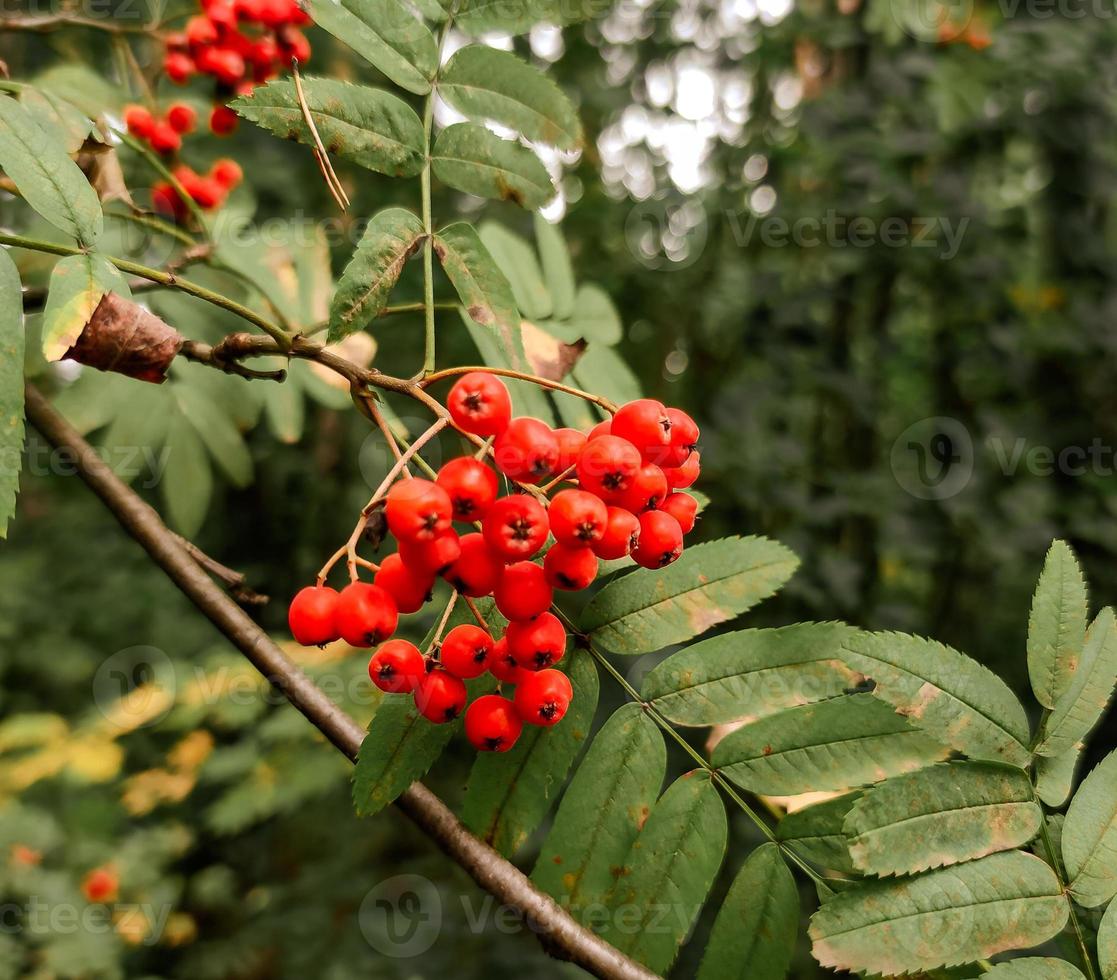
622, 531
207, 193
526, 450
471, 485
227, 173
477, 572
311, 616
222, 121
492, 724
601, 429
577, 518
201, 31
537, 643
466, 650
164, 139
101, 884
684, 438
515, 527
683, 507
139, 122
571, 443
479, 403
273, 13
661, 540
182, 117
432, 557
523, 592
542, 697
684, 476
440, 697
607, 466
226, 65
178, 66
571, 569
166, 201
397, 667
501, 664
248, 9
646, 491
409, 587
366, 614
646, 425
296, 45
418, 510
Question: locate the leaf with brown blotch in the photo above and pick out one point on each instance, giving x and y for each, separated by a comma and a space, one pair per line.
127, 339
548, 356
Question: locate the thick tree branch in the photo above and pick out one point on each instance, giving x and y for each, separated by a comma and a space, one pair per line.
557, 931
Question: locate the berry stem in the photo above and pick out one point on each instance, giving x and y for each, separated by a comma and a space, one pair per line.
1079, 934
437, 638
599, 400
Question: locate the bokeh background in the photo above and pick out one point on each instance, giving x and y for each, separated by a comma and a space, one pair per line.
868, 244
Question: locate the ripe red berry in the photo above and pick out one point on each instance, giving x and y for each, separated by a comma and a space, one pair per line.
542, 697
571, 443
397, 667
577, 517
165, 200
418, 510
408, 586
466, 650
182, 117
646, 491
366, 614
101, 884
311, 616
139, 122
537, 643
523, 592
222, 12
432, 557
207, 193
601, 429
684, 438
661, 540
477, 572
479, 403
227, 173
295, 45
683, 507
622, 531
571, 569
440, 697
501, 664
526, 450
164, 140
178, 67
471, 485
492, 724
684, 476
646, 425
225, 64
515, 527
222, 121
201, 31
607, 466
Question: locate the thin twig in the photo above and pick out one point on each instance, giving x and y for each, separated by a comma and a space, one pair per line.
327, 168
437, 638
195, 350
234, 581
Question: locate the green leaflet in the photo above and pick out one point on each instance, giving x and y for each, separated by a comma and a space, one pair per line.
470, 158
510, 793
217, 431
1034, 968
1107, 943
754, 933
1056, 625
11, 387
601, 369
66, 121
815, 832
386, 34
77, 284
487, 83
1055, 775
519, 16
602, 811
663, 882
711, 583
558, 271
35, 159
391, 237
750, 673
949, 695
596, 315
370, 127
941, 815
947, 917
1090, 836
837, 744
1084, 702
516, 259
187, 483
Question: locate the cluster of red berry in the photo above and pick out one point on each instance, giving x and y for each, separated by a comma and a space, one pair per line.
163, 135
630, 472
239, 43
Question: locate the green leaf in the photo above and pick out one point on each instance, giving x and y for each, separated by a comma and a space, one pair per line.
36, 161
711, 583
596, 316
1034, 968
386, 35
217, 431
754, 933
1107, 943
602, 811
1055, 775
1057, 624
187, 483
836, 744
949, 695
941, 815
1090, 836
68, 123
285, 410
77, 284
470, 158
519, 16
558, 271
482, 287
1084, 702
602, 370
750, 673
487, 83
663, 882
392, 236
372, 128
11, 387
517, 260
510, 793
815, 832
943, 918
